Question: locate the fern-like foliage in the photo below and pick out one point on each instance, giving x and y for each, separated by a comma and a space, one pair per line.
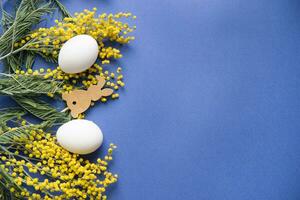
42, 110
27, 85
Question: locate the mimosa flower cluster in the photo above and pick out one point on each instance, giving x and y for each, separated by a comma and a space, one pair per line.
64, 175
114, 80
105, 27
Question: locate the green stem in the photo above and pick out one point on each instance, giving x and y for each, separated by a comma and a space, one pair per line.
13, 52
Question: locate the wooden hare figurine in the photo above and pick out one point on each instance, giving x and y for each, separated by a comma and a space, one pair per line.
79, 101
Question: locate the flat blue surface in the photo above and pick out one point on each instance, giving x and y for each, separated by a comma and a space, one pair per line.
211, 109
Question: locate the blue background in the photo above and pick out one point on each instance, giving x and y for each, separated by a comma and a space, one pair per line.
211, 105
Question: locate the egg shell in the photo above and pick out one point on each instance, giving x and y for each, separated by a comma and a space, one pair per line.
78, 54
80, 136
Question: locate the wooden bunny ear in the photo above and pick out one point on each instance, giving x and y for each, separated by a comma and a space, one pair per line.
94, 92
101, 81
106, 92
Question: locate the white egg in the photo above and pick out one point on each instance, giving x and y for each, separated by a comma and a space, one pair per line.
78, 54
80, 136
